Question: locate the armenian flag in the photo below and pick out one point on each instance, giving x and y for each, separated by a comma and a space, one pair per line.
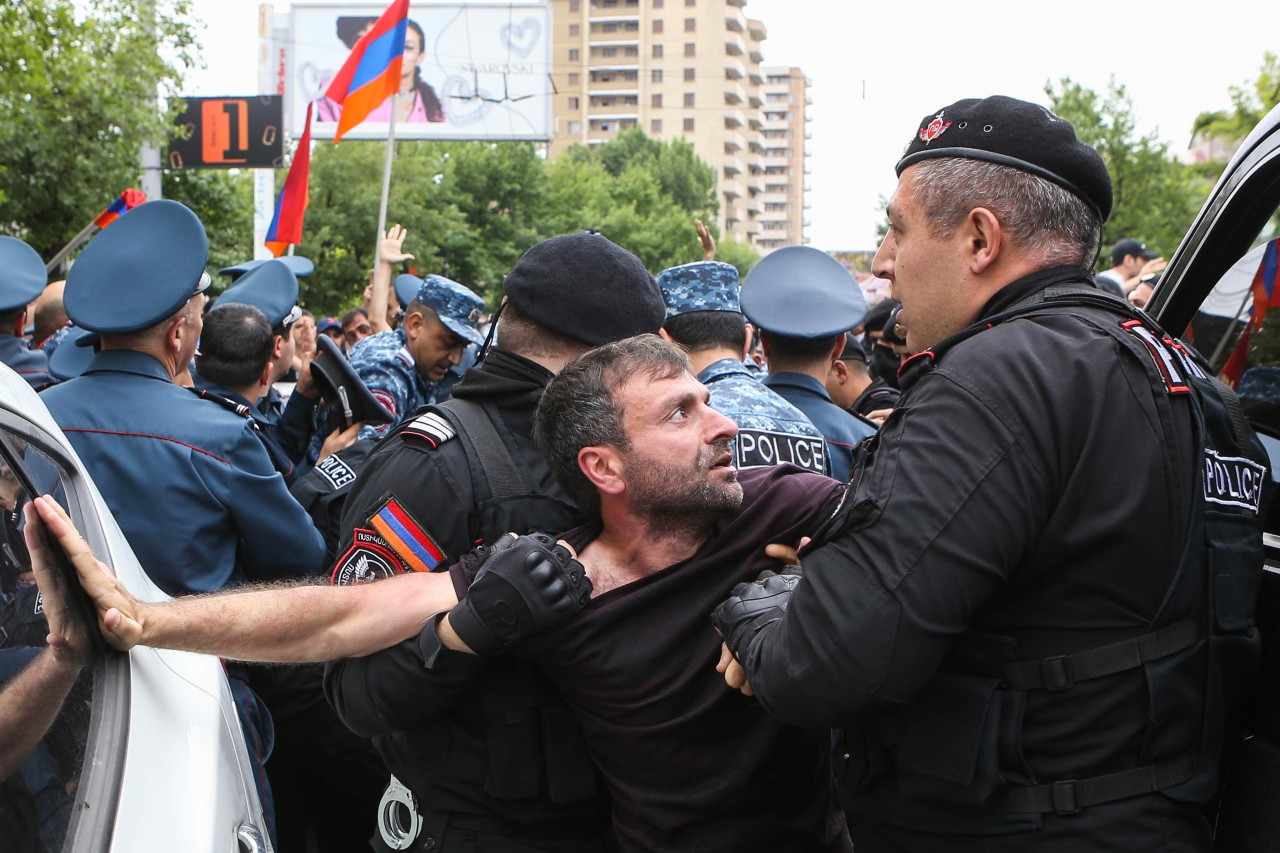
371, 73
126, 201
291, 206
406, 537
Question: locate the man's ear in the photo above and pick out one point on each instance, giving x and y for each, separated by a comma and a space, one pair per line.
840, 371
277, 348
985, 239
666, 336
412, 324
602, 466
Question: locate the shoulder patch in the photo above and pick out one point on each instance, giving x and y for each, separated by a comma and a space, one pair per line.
406, 357
410, 541
367, 560
430, 427
387, 399
336, 472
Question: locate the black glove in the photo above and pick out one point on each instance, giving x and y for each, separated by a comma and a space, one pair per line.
753, 606
523, 587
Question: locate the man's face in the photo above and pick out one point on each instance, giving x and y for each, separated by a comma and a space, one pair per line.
284, 363
679, 461
356, 330
435, 349
1133, 265
926, 272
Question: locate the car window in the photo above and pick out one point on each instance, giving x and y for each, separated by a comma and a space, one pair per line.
1237, 329
50, 706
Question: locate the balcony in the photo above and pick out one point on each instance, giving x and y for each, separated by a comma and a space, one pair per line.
614, 108
731, 187
732, 165
757, 30
741, 4
734, 94
734, 45
757, 78
622, 83
734, 141
734, 69
733, 118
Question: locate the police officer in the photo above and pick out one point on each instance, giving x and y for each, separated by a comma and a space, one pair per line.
1017, 663
22, 279
851, 385
489, 750
189, 482
804, 301
704, 317
401, 367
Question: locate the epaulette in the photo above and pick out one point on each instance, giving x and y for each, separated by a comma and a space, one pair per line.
430, 427
240, 409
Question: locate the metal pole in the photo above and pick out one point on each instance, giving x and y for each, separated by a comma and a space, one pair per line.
386, 183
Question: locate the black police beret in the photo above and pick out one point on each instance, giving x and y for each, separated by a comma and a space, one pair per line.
348, 397
587, 288
139, 271
1018, 134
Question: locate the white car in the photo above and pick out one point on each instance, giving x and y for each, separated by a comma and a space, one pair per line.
146, 753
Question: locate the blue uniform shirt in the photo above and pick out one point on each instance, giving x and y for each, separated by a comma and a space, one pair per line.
770, 430
31, 365
385, 365
841, 429
189, 483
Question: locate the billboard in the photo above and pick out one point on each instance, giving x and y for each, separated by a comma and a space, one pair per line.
471, 70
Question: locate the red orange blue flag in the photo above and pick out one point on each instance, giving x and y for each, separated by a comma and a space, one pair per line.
291, 206
126, 201
371, 73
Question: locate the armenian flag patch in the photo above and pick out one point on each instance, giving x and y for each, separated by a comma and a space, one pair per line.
406, 537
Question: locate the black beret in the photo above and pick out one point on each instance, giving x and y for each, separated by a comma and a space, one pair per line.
1018, 134
587, 288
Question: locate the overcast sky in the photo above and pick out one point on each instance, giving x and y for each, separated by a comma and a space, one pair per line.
878, 68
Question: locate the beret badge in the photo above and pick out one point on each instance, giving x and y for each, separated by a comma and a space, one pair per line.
934, 129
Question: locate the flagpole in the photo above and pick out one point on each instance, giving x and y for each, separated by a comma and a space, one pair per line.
386, 181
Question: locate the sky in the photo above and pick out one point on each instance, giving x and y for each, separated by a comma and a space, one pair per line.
878, 68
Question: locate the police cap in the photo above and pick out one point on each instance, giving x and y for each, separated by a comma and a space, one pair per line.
347, 395
272, 288
802, 292
587, 288
456, 306
1130, 246
301, 267
406, 287
22, 274
73, 355
701, 286
139, 271
1018, 134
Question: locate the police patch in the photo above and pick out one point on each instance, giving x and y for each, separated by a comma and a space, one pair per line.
367, 560
336, 472
767, 447
1233, 480
387, 399
409, 540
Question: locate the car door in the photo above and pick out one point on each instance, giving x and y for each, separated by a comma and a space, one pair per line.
120, 752
1221, 295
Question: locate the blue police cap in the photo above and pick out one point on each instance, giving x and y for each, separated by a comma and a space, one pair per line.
139, 271
701, 286
406, 287
22, 274
456, 306
802, 292
270, 287
73, 355
349, 399
302, 267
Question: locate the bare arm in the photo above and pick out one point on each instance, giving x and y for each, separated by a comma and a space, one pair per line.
279, 623
389, 254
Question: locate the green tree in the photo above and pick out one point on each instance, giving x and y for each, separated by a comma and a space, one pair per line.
1249, 104
223, 199
78, 93
1155, 197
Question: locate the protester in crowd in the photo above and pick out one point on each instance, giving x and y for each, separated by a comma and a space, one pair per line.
1130, 259
355, 327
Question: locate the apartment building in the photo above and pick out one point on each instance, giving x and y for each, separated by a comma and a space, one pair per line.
691, 69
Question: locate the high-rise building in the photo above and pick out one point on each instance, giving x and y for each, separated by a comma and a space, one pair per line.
691, 69
786, 173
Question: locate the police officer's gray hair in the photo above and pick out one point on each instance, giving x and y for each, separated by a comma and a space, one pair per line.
578, 408
522, 336
1042, 218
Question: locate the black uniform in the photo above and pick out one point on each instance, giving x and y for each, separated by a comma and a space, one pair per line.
496, 759
1014, 611
878, 395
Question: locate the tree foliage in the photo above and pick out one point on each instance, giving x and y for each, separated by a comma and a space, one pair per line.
1155, 197
78, 95
1249, 104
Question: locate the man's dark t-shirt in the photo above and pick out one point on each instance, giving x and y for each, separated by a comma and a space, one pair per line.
691, 764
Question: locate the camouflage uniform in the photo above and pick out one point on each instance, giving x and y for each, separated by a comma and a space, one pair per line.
770, 430
385, 365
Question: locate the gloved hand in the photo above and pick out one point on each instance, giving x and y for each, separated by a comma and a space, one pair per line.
753, 606
523, 587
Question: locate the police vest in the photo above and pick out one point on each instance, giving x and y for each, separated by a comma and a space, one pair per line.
534, 744
950, 747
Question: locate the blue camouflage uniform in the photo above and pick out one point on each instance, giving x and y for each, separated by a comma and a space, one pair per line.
770, 430
386, 366
22, 279
802, 293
